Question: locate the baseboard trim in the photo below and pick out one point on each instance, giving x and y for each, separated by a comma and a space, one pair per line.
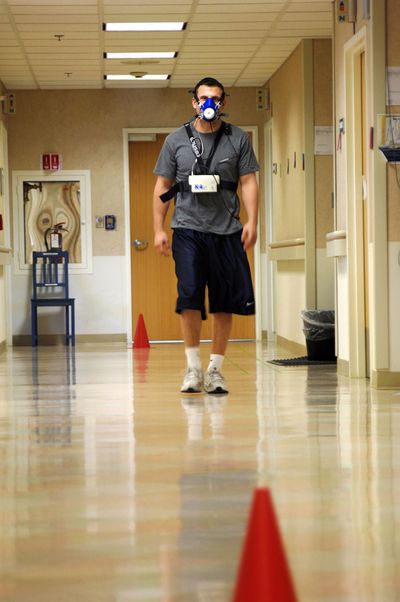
343, 367
25, 340
269, 337
102, 338
291, 346
384, 379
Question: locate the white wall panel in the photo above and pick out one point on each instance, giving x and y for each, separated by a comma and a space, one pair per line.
290, 300
343, 309
325, 280
394, 306
3, 317
100, 306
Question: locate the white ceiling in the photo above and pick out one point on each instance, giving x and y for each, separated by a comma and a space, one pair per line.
242, 43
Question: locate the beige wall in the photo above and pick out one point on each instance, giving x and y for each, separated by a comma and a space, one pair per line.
295, 111
86, 128
3, 121
286, 88
3, 332
343, 33
323, 116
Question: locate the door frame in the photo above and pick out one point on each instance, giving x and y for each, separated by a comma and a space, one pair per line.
355, 240
268, 284
7, 237
127, 135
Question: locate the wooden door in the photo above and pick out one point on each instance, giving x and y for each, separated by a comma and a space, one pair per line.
153, 280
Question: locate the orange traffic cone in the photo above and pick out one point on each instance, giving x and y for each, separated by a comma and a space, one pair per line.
264, 574
141, 339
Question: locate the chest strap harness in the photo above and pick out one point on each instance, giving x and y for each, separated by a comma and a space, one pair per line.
183, 186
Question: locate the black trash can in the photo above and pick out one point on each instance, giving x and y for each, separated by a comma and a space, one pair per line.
319, 330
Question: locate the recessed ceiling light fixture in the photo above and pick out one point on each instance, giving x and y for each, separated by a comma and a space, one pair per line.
140, 55
133, 78
146, 26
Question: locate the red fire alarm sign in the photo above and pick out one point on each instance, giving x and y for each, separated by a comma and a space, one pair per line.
46, 161
51, 161
55, 161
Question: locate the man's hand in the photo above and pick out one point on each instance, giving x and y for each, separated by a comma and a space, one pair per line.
161, 243
249, 235
249, 187
160, 210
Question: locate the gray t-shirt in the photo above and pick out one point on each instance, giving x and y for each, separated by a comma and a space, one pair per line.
234, 157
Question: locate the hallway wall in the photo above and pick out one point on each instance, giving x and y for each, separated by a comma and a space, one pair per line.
342, 34
393, 207
323, 169
3, 234
381, 322
301, 99
286, 89
85, 127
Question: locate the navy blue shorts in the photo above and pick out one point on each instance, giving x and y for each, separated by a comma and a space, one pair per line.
215, 261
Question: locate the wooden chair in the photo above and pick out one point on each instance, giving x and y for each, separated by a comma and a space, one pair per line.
51, 289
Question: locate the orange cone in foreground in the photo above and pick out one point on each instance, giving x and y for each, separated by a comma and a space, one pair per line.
141, 339
264, 574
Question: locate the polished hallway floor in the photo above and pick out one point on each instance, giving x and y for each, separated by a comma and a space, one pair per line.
114, 487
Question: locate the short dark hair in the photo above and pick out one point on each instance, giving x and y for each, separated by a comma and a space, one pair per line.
212, 83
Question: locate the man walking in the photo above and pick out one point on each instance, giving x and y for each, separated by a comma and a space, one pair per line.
201, 165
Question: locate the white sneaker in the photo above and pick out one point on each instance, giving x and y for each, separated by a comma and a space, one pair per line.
214, 383
192, 381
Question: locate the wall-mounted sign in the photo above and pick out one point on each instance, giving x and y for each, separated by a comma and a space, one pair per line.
51, 161
323, 140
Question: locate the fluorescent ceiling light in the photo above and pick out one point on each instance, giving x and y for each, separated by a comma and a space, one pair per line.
140, 55
152, 26
133, 78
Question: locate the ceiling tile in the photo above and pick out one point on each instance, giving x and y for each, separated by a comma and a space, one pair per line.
240, 42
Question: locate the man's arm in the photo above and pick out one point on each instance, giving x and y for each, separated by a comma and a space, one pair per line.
160, 210
249, 187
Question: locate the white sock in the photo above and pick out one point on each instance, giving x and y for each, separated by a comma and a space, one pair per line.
193, 357
215, 362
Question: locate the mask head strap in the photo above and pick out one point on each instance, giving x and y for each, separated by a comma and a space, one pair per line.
212, 83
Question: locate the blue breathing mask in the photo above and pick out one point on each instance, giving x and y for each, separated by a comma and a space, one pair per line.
209, 109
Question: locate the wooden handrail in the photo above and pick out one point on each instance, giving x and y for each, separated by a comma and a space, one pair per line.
336, 235
5, 249
292, 242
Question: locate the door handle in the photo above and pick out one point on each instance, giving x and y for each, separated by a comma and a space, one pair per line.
140, 245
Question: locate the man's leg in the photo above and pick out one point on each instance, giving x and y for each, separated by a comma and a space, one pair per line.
214, 381
191, 328
221, 329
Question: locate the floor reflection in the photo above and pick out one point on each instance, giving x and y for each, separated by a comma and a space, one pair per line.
214, 501
115, 486
140, 363
196, 407
53, 393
